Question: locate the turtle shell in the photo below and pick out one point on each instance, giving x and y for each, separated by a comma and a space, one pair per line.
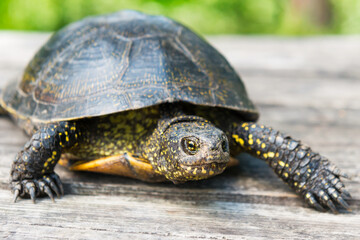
123, 61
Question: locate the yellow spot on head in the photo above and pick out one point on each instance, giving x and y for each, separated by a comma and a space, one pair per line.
251, 141
265, 155
286, 175
271, 154
263, 145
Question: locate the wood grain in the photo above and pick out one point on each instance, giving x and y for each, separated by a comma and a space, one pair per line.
307, 87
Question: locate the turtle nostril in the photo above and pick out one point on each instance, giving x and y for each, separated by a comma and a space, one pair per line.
224, 146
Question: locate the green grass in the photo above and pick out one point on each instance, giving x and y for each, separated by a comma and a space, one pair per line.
204, 16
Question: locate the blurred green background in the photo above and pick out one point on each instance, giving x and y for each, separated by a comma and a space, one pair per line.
283, 17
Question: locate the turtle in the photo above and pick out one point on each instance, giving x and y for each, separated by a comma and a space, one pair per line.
142, 96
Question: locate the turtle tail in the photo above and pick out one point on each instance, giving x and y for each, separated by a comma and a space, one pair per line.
310, 174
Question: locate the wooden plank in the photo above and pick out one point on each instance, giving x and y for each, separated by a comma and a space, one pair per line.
307, 87
82, 217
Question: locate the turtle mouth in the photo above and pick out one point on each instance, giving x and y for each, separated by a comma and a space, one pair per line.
210, 164
204, 170
206, 162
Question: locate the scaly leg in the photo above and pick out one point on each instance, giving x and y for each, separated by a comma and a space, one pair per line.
32, 171
309, 173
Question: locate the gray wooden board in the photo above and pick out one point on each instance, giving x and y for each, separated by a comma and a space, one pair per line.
307, 87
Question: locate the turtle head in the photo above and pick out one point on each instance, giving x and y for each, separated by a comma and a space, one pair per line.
191, 148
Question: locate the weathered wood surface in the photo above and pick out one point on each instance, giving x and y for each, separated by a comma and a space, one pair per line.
309, 87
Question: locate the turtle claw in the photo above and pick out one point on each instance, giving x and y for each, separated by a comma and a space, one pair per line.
336, 171
346, 194
16, 195
45, 185
332, 206
47, 190
318, 207
344, 204
55, 189
59, 184
31, 190
327, 192
50, 181
313, 202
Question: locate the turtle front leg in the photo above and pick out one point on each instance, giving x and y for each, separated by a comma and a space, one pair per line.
32, 172
310, 174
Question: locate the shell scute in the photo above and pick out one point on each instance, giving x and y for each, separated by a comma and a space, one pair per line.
123, 61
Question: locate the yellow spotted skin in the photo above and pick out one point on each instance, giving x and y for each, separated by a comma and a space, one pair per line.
177, 145
115, 134
171, 155
178, 141
32, 170
309, 173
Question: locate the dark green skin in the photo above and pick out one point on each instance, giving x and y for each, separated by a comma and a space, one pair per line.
146, 85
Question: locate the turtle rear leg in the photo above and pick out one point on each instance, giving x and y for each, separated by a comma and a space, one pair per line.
32, 172
309, 173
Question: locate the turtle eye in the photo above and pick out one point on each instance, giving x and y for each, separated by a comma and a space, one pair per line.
190, 146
